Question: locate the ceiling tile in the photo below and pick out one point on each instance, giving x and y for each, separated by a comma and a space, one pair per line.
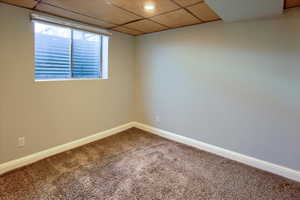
64, 13
127, 30
146, 26
292, 3
204, 12
99, 9
187, 2
176, 18
25, 3
137, 6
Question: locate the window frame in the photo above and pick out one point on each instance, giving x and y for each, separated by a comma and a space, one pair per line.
103, 64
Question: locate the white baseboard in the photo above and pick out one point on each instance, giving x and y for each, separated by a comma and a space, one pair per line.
248, 160
14, 164
260, 164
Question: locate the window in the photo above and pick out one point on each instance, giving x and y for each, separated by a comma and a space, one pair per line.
66, 53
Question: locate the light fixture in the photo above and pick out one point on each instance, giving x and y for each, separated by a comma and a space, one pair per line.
149, 7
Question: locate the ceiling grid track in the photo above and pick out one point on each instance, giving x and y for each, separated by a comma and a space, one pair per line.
185, 8
131, 17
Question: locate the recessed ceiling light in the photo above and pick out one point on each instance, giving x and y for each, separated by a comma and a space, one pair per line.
149, 7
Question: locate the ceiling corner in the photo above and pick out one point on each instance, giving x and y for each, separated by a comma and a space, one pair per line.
237, 10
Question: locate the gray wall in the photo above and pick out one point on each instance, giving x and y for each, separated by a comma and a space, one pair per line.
234, 85
53, 113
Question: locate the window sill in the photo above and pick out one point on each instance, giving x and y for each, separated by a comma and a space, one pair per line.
72, 79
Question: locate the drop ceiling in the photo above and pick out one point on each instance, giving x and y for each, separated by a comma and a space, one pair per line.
291, 3
129, 16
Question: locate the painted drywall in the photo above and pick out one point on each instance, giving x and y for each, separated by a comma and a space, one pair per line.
236, 10
233, 85
54, 113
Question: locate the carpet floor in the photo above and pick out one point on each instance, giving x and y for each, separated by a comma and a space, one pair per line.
135, 165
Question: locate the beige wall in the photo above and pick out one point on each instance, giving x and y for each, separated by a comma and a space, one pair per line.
234, 85
53, 113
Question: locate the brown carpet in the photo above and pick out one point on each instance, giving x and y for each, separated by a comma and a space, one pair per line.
136, 165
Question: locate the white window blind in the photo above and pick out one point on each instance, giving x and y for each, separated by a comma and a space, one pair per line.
52, 52
86, 55
66, 53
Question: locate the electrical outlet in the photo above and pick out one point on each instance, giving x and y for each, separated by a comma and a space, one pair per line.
21, 141
157, 118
